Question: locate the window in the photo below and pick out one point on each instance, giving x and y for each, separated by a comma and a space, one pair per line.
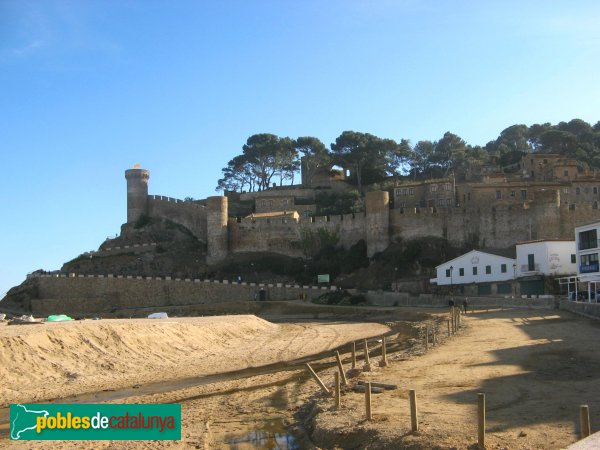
411, 191
447, 273
588, 239
461, 271
595, 189
523, 194
566, 190
573, 259
488, 270
433, 188
270, 202
577, 191
498, 195
263, 203
545, 161
566, 173
474, 270
589, 263
503, 268
531, 262
285, 202
512, 193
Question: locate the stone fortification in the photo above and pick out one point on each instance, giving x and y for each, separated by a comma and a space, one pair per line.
103, 294
189, 214
377, 205
217, 238
483, 215
137, 193
498, 226
283, 236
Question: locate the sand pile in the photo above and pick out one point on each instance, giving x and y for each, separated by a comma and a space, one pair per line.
57, 359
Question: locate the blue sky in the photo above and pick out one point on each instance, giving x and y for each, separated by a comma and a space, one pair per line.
89, 88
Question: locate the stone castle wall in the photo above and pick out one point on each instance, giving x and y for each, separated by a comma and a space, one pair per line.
189, 214
284, 236
497, 217
85, 295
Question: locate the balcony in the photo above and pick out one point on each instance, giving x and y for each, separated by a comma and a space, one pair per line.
589, 268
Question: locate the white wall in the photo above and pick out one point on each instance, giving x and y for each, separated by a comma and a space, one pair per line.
550, 258
477, 259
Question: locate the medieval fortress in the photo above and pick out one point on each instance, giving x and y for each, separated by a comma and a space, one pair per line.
544, 198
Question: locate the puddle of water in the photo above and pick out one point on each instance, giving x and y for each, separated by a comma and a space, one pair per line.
270, 434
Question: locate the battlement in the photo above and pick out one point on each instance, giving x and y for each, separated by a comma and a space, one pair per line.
485, 214
162, 198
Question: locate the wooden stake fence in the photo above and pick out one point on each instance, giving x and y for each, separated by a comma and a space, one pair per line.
316, 377
341, 368
481, 421
584, 415
368, 400
414, 422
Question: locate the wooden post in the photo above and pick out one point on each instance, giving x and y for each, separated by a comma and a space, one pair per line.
341, 368
434, 338
584, 415
316, 377
384, 361
338, 399
426, 338
367, 359
481, 421
368, 400
414, 422
354, 355
448, 321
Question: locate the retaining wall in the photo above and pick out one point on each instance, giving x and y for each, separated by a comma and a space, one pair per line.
581, 308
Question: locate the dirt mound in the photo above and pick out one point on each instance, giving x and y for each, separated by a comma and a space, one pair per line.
88, 355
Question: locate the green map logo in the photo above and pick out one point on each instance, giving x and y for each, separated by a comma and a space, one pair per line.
95, 422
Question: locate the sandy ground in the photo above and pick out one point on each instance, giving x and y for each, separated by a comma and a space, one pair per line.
535, 367
56, 360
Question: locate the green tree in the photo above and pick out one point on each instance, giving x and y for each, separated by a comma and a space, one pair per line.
237, 176
363, 154
314, 156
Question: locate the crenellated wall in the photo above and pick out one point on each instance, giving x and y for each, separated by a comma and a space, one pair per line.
496, 221
107, 294
189, 214
500, 226
283, 235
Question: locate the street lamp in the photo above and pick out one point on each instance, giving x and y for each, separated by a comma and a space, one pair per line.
396, 279
451, 281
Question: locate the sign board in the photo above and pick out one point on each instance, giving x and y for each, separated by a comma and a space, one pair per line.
324, 278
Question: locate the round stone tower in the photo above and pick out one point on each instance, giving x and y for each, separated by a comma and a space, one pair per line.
377, 205
216, 229
137, 193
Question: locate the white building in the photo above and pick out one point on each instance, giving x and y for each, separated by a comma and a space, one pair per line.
586, 238
475, 267
546, 257
585, 284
